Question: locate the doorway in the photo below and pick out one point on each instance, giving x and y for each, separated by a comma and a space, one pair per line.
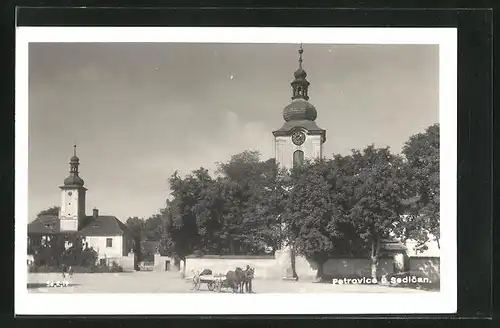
167, 265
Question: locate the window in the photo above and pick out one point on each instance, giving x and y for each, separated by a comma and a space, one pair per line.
109, 242
298, 158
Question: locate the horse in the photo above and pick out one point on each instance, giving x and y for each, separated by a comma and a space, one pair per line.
236, 279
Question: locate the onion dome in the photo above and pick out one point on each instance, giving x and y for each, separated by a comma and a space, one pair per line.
299, 110
300, 114
73, 180
300, 74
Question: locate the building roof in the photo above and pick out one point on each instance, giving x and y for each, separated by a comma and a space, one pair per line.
103, 226
73, 180
392, 245
310, 126
100, 226
44, 224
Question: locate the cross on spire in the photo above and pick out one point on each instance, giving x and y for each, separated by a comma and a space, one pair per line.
301, 51
74, 150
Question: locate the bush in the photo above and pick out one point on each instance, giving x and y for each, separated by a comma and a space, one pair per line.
115, 267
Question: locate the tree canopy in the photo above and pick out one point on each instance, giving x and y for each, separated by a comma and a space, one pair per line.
341, 206
54, 210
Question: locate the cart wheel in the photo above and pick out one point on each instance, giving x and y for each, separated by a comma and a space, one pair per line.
217, 286
211, 286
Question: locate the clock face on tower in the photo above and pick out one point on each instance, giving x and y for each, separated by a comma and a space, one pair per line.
298, 138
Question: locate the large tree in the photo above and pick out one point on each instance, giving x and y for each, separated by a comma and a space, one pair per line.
136, 226
422, 218
180, 235
379, 189
247, 188
312, 217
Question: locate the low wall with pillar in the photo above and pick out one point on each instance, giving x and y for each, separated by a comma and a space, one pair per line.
126, 262
356, 267
277, 266
164, 263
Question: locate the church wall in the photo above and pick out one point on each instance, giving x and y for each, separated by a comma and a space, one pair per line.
285, 148
81, 204
275, 268
69, 204
69, 225
265, 267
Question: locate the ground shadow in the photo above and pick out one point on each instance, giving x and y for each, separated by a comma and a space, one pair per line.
44, 285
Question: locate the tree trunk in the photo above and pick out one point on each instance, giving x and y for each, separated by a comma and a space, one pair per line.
374, 257
292, 261
183, 267
437, 241
319, 274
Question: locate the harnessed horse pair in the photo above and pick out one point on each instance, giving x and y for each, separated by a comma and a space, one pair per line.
240, 280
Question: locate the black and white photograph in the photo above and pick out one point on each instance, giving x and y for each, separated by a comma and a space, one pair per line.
305, 170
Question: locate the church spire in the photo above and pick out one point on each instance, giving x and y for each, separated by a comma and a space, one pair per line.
74, 162
300, 85
73, 178
301, 51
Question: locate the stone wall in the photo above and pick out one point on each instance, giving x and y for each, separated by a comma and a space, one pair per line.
356, 267
164, 263
126, 262
275, 267
266, 267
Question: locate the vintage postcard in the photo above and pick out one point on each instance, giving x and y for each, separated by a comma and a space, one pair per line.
306, 170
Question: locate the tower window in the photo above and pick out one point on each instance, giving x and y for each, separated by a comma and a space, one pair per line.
298, 158
109, 242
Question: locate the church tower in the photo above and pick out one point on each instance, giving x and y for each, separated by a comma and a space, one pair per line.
72, 198
300, 137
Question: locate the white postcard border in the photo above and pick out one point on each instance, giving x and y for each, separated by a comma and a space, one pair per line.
444, 301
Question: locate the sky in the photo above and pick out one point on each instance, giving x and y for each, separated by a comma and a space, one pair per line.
137, 111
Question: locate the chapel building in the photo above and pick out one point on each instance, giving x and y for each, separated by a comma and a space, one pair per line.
107, 235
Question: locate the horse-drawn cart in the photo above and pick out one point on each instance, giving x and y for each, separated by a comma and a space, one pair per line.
212, 282
234, 280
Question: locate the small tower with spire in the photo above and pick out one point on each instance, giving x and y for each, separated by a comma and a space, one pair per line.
73, 192
300, 137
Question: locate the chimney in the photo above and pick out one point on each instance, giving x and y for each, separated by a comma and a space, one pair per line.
95, 213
